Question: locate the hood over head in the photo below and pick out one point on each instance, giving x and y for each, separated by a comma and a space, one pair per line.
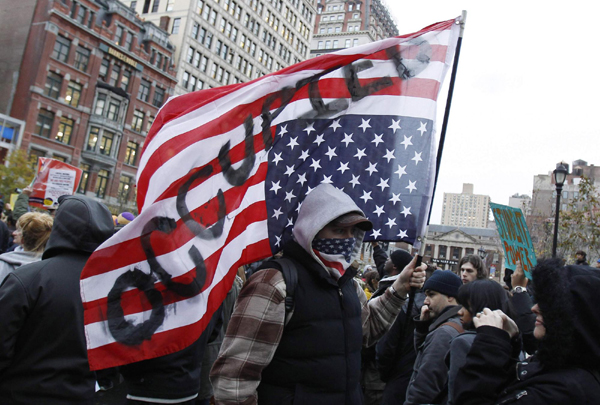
324, 204
568, 299
81, 224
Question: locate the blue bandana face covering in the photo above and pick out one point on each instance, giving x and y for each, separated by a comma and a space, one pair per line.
331, 246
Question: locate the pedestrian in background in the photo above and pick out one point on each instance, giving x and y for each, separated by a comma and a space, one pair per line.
33, 231
43, 353
472, 268
564, 370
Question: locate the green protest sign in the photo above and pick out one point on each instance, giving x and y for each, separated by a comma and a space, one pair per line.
515, 237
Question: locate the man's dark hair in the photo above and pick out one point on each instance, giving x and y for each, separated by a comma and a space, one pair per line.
582, 253
476, 261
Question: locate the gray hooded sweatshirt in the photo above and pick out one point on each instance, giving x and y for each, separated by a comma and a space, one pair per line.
11, 260
324, 204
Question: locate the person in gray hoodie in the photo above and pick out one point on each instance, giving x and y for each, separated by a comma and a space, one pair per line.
312, 355
33, 230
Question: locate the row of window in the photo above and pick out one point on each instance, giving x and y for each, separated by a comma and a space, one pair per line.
196, 59
118, 77
155, 5
249, 22
191, 82
305, 11
338, 18
53, 88
330, 30
137, 121
82, 15
335, 44
338, 7
232, 8
43, 127
210, 15
219, 74
144, 93
565, 194
104, 142
62, 47
115, 76
110, 109
125, 184
123, 37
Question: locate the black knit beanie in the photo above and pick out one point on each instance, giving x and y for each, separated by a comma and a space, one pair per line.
444, 282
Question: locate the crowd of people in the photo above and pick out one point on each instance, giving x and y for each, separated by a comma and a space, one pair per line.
308, 326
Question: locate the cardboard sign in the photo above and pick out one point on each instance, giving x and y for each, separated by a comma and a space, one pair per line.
515, 237
53, 180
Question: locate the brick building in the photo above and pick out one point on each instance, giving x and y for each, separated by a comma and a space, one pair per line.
90, 83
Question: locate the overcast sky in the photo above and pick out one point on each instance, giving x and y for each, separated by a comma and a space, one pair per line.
526, 93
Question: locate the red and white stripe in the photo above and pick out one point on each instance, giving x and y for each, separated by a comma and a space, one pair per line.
187, 134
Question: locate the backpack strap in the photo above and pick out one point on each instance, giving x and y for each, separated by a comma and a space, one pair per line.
290, 276
456, 326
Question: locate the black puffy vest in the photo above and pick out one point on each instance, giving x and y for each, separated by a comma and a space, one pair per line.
318, 358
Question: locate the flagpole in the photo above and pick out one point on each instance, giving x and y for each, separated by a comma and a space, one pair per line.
422, 238
438, 161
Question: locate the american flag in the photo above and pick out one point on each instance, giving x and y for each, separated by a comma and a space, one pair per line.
382, 161
224, 172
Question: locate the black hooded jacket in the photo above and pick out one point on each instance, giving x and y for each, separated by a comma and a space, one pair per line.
43, 355
564, 370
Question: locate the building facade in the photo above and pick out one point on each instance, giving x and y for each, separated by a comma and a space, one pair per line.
520, 201
466, 209
92, 78
221, 42
540, 219
446, 245
343, 24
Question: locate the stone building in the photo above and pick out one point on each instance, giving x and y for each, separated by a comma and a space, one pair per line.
520, 201
540, 219
90, 81
445, 245
347, 23
220, 42
466, 209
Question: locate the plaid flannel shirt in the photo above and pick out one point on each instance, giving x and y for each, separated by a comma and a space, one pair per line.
256, 327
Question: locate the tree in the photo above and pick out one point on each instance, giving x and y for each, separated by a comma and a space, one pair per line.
17, 173
579, 225
541, 231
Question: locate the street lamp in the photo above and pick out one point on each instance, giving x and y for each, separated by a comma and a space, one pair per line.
560, 175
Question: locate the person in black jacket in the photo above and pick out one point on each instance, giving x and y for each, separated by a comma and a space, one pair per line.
43, 355
395, 351
565, 368
520, 304
581, 258
4, 232
373, 386
391, 268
